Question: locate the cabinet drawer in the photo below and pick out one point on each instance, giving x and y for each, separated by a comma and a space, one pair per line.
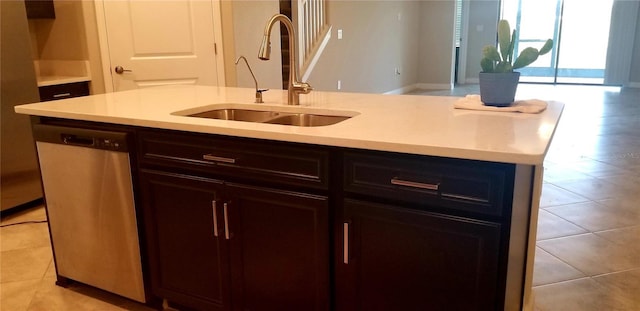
40, 9
478, 187
61, 91
239, 158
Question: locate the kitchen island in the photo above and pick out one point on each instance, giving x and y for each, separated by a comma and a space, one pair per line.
412, 203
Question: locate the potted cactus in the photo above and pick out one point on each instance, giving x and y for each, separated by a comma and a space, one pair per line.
498, 80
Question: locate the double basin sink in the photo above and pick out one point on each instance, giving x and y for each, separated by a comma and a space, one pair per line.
270, 115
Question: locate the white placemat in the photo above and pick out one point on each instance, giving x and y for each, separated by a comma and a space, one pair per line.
473, 102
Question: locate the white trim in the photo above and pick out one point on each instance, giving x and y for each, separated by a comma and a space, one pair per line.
217, 38
402, 90
435, 86
421, 86
104, 46
316, 55
462, 56
472, 80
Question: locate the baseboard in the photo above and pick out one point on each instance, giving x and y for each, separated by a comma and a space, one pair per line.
472, 80
633, 84
435, 86
402, 90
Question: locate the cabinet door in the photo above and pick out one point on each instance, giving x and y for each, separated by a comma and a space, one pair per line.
279, 244
399, 259
188, 259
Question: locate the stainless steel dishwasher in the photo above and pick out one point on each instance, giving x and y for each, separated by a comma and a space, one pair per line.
86, 176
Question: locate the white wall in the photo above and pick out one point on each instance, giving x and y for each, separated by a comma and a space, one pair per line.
249, 20
483, 20
436, 58
378, 36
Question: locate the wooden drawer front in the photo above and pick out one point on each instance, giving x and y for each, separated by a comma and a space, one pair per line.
473, 186
61, 91
247, 159
40, 9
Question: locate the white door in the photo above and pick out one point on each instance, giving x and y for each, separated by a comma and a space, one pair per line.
159, 42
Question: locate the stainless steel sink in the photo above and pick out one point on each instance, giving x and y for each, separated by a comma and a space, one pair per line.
302, 119
270, 117
238, 115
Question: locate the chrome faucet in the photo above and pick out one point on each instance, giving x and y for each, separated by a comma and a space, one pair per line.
295, 87
258, 91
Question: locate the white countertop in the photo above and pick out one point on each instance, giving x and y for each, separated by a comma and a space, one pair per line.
426, 125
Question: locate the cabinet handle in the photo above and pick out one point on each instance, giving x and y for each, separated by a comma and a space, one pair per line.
345, 242
215, 218
210, 157
413, 184
61, 95
226, 220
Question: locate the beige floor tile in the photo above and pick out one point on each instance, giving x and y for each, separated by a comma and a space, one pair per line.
24, 264
580, 295
594, 216
629, 180
551, 226
16, 296
595, 189
595, 168
553, 195
51, 297
24, 236
624, 202
51, 270
549, 269
626, 283
628, 162
33, 214
591, 254
560, 172
629, 236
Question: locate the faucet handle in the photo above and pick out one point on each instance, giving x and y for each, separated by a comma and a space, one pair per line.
302, 87
259, 95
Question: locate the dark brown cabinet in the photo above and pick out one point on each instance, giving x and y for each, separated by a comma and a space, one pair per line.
40, 9
394, 258
62, 91
217, 244
422, 233
279, 249
188, 258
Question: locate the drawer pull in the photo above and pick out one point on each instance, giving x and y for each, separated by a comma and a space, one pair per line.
210, 157
215, 218
413, 184
345, 243
226, 220
61, 95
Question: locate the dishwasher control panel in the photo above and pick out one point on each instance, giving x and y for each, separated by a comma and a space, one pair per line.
88, 138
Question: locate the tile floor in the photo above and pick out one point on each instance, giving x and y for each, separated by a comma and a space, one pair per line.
588, 250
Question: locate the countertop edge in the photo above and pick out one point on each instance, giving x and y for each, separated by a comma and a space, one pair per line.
513, 158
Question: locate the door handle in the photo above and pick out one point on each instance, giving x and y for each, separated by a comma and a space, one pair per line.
345, 243
414, 184
215, 218
225, 211
119, 70
211, 157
